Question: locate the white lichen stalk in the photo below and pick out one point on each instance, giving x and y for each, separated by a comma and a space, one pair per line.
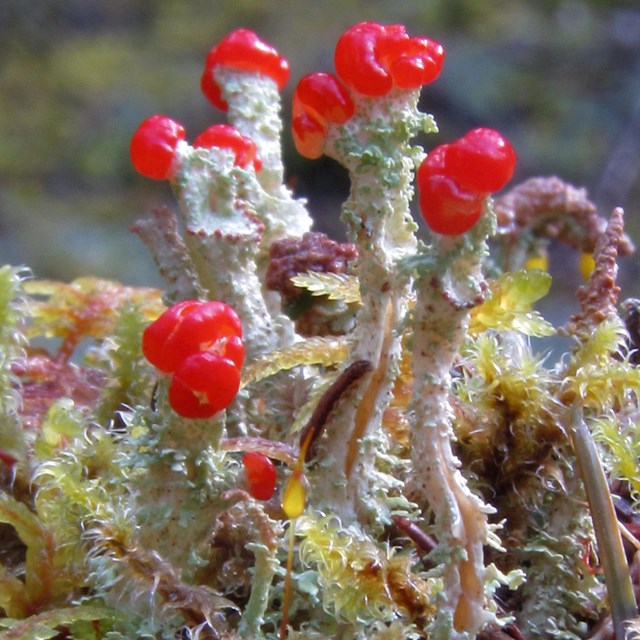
445, 294
254, 109
222, 228
176, 499
374, 146
222, 234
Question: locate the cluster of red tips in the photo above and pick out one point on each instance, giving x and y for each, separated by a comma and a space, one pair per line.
225, 136
153, 147
372, 59
200, 345
242, 50
318, 99
260, 473
454, 179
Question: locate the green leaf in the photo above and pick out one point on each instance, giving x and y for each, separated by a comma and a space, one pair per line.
510, 305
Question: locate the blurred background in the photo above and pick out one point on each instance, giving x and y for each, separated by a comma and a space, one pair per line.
561, 78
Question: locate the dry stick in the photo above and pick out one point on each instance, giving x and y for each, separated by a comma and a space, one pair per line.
622, 601
423, 541
327, 403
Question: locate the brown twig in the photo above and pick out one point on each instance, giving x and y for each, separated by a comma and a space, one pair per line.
328, 401
599, 297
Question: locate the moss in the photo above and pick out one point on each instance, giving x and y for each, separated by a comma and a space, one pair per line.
428, 442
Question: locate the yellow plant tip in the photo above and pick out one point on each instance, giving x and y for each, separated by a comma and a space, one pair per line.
539, 262
586, 264
510, 305
622, 451
608, 338
294, 496
599, 373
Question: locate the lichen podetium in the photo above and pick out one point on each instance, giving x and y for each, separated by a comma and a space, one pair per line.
301, 438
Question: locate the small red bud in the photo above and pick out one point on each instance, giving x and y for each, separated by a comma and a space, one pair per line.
227, 137
260, 473
153, 146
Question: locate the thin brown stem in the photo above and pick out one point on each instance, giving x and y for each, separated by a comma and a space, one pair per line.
622, 601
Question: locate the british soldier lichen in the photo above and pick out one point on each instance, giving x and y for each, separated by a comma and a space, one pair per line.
320, 440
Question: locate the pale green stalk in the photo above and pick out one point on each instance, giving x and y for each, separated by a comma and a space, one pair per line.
448, 285
374, 146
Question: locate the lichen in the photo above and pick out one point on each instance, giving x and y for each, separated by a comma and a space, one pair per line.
427, 481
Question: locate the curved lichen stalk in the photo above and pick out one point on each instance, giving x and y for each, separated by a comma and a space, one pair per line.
446, 292
364, 118
374, 146
243, 76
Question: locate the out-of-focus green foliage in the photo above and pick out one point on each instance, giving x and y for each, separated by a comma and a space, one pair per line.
76, 77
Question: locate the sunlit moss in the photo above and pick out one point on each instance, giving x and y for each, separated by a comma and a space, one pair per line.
361, 580
509, 305
621, 439
507, 425
599, 373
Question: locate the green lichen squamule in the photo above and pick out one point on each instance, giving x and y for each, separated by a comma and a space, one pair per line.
442, 493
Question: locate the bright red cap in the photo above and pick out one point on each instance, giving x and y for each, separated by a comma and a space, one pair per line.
373, 58
242, 50
227, 137
153, 146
